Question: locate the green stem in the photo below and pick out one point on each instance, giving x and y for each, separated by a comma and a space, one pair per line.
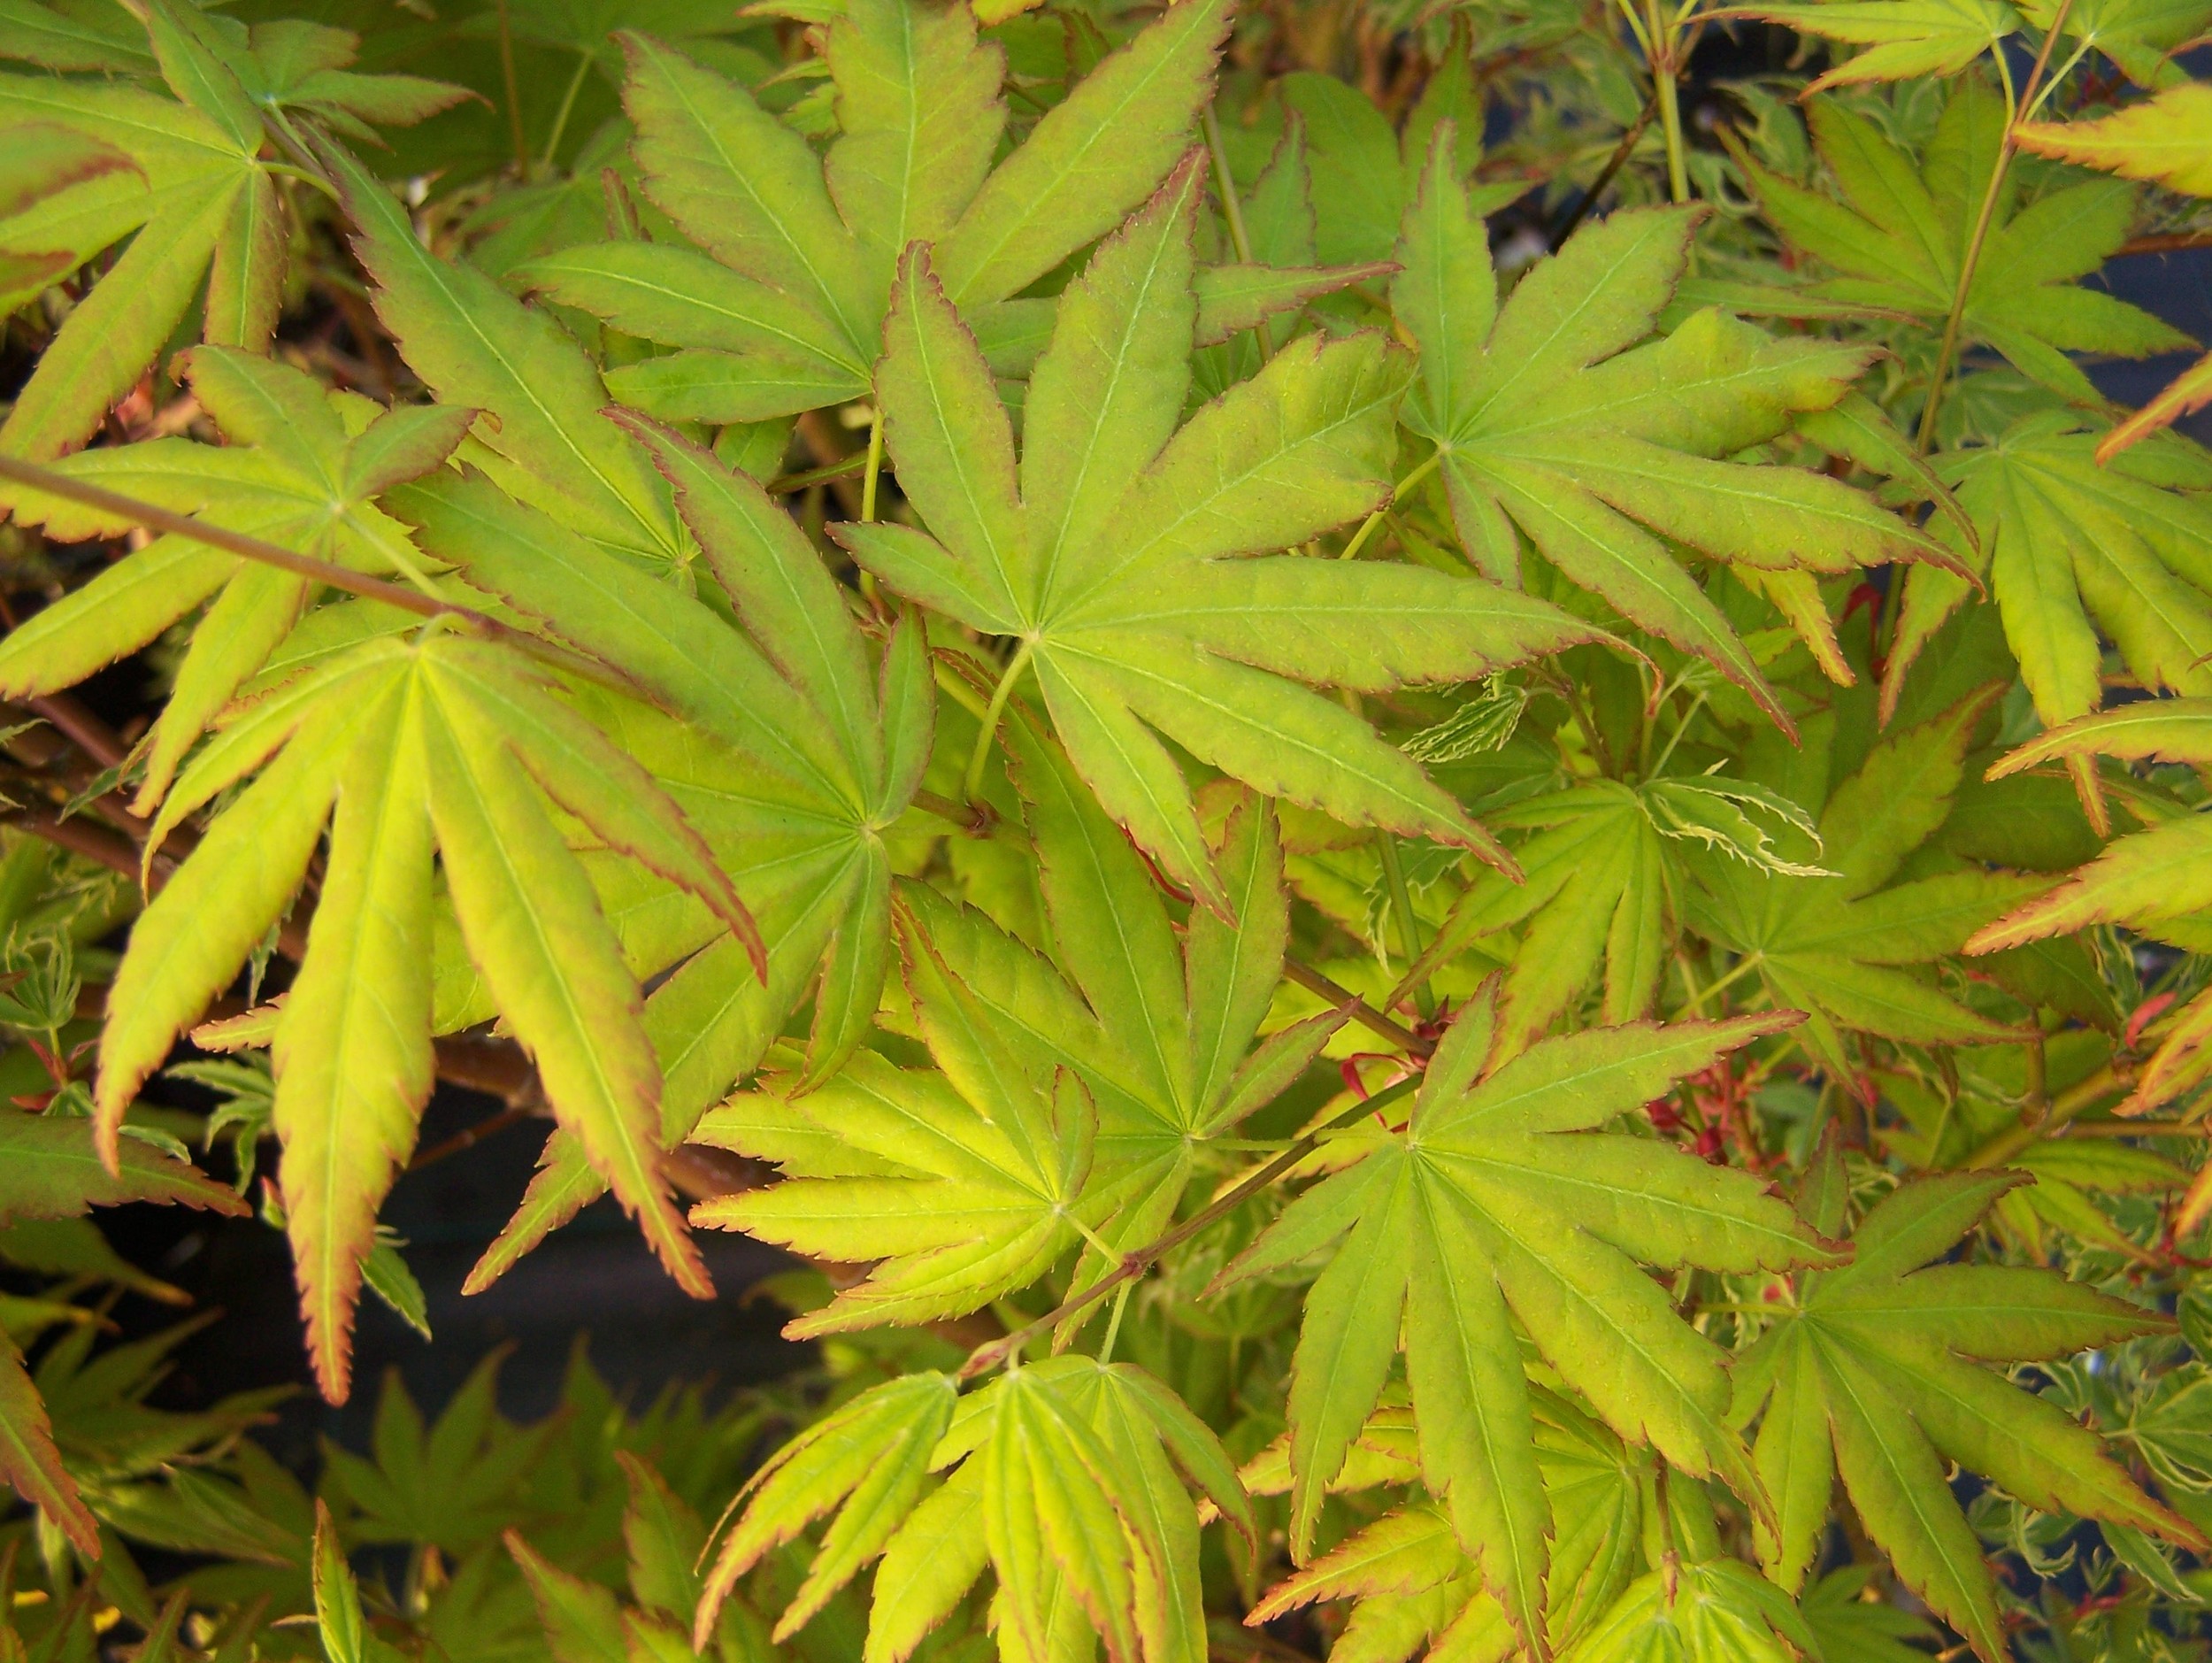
514, 91
972, 782
1736, 973
1232, 211
1408, 927
1661, 57
1135, 1264
875, 468
568, 103
1946, 349
1397, 493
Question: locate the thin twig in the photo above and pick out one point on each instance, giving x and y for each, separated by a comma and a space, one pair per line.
1947, 350
1365, 1014
1621, 153
155, 517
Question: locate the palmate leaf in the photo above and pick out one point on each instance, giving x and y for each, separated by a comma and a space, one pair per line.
1904, 39
1107, 554
1064, 1485
1600, 869
49, 1169
1872, 1372
542, 434
1552, 421
28, 1459
1898, 237
1845, 947
2166, 139
784, 309
302, 469
1712, 1611
2075, 548
2153, 878
1157, 1034
1503, 1201
1410, 1574
438, 743
792, 748
204, 214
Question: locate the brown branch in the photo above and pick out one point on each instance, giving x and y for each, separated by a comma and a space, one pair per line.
2165, 242
1365, 1014
155, 517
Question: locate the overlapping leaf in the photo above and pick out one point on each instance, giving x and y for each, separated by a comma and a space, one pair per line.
1897, 241
1552, 422
1109, 553
1603, 871
1074, 1097
205, 216
1873, 1372
784, 309
1846, 948
791, 748
1064, 1485
2078, 551
1411, 1577
1502, 1200
302, 469
407, 747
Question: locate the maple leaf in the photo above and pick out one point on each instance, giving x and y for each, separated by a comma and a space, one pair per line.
2165, 140
2076, 548
1064, 1483
303, 469
414, 746
1873, 1371
784, 310
791, 750
1600, 871
1841, 946
51, 1170
2153, 881
1153, 1034
1107, 553
1550, 420
1408, 1571
29, 1460
203, 211
1898, 239
1502, 1200
1904, 39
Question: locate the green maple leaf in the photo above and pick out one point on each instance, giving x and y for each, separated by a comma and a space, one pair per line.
49, 1169
1407, 1570
28, 1459
541, 434
1897, 240
2154, 880
1502, 1200
1155, 1035
2077, 551
784, 309
1106, 551
1064, 1485
1712, 1611
1842, 947
1873, 1371
1602, 873
303, 469
205, 217
438, 744
1550, 420
791, 747
1904, 39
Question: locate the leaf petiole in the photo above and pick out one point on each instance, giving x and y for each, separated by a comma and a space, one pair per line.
972, 781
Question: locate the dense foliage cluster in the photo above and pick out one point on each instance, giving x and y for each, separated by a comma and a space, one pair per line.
1431, 797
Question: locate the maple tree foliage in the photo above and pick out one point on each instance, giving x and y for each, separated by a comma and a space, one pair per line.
1424, 804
